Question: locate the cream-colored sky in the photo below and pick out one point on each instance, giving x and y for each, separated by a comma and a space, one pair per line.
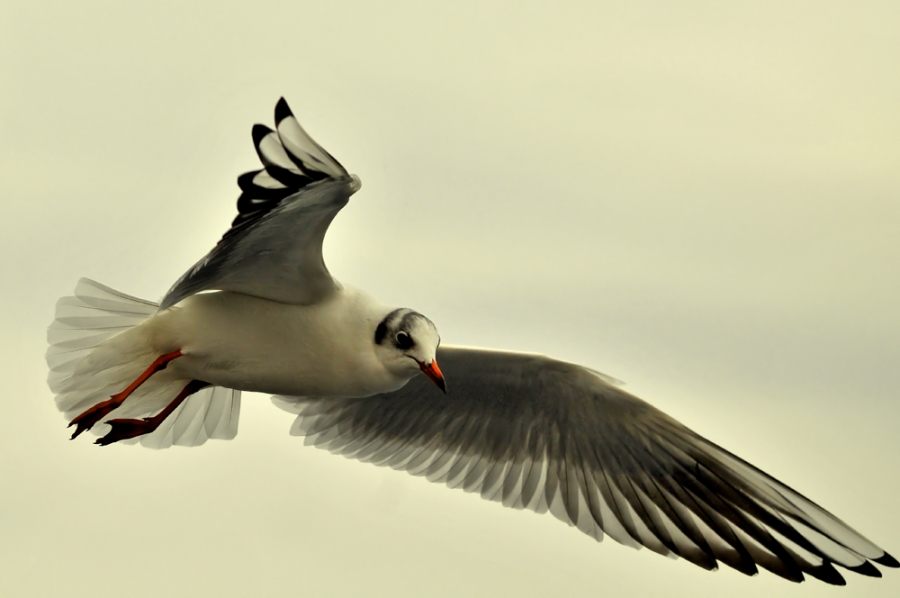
701, 200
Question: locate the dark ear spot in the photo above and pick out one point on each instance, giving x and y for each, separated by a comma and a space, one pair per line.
381, 332
404, 340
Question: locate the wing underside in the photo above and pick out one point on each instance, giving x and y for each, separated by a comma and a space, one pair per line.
539, 434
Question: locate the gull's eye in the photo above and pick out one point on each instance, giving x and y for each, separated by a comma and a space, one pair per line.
404, 340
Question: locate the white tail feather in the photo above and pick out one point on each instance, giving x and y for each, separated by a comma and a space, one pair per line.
97, 348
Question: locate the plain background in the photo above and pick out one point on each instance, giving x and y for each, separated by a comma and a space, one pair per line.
701, 200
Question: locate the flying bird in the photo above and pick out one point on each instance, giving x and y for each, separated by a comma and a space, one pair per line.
260, 312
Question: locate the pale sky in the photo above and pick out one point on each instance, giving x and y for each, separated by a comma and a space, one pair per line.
700, 200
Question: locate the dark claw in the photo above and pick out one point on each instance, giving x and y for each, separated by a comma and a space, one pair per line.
89, 418
123, 429
82, 426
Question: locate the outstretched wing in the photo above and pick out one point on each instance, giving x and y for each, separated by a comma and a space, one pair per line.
274, 246
536, 433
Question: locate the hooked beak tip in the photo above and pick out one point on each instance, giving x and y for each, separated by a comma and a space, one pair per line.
434, 374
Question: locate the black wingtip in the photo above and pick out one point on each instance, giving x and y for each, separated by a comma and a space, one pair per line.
827, 573
245, 181
282, 111
887, 560
259, 133
867, 569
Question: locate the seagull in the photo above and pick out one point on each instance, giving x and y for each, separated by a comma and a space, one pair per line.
260, 312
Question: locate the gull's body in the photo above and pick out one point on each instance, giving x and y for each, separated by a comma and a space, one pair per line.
248, 343
262, 313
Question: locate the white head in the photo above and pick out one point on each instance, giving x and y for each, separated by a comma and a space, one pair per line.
406, 342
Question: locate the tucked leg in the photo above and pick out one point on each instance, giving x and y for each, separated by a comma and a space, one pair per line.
86, 420
129, 428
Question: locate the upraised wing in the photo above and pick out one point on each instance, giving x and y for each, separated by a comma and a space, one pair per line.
536, 433
274, 246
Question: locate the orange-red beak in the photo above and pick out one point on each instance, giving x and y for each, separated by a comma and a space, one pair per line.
434, 373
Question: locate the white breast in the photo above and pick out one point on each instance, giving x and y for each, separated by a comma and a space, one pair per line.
247, 343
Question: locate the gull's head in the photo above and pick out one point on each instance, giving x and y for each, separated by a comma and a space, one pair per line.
407, 343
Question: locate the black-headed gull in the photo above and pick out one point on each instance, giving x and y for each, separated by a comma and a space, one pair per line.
261, 313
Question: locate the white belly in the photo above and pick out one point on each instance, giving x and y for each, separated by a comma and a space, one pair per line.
247, 343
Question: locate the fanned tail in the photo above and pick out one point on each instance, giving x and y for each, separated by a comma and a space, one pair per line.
97, 348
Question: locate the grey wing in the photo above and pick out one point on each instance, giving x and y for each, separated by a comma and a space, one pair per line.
540, 434
274, 247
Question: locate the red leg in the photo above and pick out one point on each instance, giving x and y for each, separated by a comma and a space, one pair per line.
86, 420
129, 428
